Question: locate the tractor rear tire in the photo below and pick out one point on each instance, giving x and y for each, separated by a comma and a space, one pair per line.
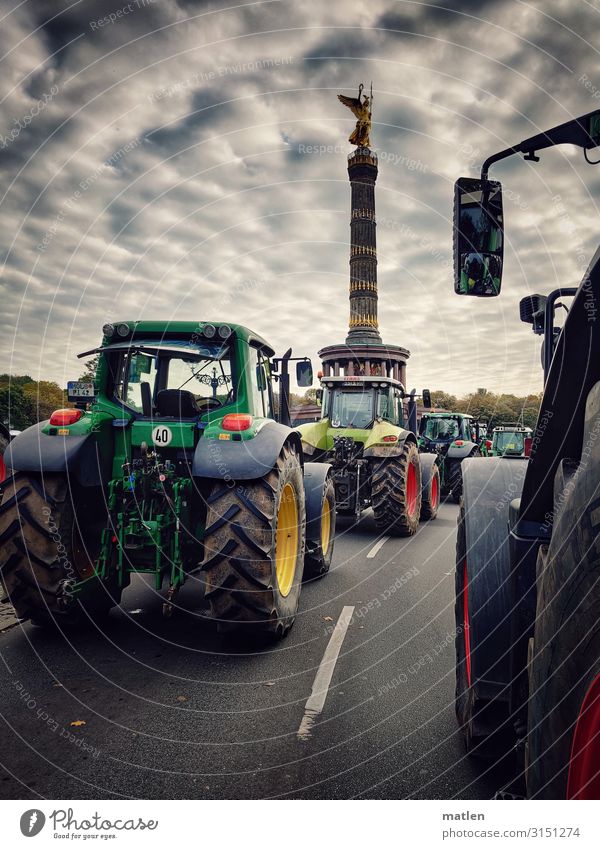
455, 484
42, 555
430, 499
455, 479
320, 536
254, 549
563, 741
396, 492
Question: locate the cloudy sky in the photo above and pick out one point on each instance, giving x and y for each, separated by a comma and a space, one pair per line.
157, 163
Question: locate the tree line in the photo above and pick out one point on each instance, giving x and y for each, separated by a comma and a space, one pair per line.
25, 401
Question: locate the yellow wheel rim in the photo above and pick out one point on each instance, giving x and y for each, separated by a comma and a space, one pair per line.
325, 525
286, 539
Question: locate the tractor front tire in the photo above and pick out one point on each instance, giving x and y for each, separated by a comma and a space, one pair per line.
254, 549
320, 536
43, 553
396, 492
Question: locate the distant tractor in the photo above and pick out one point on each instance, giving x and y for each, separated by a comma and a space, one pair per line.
453, 437
512, 440
374, 457
170, 464
527, 554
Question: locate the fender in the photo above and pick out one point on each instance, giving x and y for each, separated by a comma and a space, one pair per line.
243, 461
77, 455
390, 449
427, 461
459, 452
315, 477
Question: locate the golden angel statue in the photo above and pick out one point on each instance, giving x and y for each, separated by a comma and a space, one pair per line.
362, 110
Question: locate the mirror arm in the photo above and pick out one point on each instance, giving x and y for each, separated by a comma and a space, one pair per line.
504, 154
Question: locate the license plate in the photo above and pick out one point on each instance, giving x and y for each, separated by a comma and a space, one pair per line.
77, 389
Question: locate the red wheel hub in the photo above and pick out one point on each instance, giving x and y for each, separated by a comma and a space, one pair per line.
411, 490
584, 766
466, 625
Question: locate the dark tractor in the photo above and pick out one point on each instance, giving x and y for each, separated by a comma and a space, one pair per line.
528, 551
169, 463
453, 437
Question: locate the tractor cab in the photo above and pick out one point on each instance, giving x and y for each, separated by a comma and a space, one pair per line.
511, 441
438, 431
357, 402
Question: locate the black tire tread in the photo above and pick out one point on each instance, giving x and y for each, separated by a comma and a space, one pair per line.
239, 551
388, 493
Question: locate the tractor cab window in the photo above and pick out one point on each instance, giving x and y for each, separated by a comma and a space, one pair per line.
352, 408
441, 429
260, 383
175, 378
509, 442
385, 405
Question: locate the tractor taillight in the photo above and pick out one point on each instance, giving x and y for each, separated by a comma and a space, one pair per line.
390, 438
237, 421
459, 442
488, 444
528, 446
65, 417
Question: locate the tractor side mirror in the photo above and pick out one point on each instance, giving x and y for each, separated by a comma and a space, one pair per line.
319, 396
427, 399
304, 373
478, 237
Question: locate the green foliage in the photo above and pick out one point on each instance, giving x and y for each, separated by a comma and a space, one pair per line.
90, 367
16, 408
24, 401
489, 407
46, 397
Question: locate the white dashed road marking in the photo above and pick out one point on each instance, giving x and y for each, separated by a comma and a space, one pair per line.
320, 687
377, 547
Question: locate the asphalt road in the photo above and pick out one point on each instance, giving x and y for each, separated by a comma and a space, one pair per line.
168, 709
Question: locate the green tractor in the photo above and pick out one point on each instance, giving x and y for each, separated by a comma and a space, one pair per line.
170, 463
453, 437
374, 456
511, 440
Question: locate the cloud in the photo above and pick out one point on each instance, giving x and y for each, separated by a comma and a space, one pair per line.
169, 174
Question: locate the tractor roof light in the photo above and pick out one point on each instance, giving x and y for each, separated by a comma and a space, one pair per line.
209, 330
237, 422
108, 330
61, 418
225, 331
123, 330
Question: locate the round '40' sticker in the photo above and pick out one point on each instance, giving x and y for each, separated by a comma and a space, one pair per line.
162, 435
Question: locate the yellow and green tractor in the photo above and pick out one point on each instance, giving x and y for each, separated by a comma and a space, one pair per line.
373, 454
